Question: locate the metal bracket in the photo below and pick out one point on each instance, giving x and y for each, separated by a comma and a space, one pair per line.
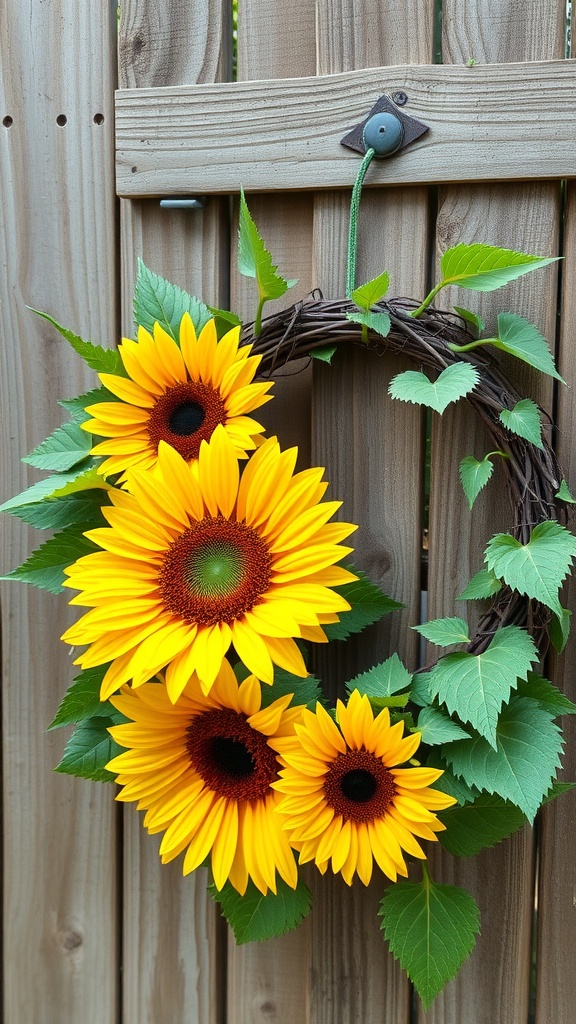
410, 129
183, 203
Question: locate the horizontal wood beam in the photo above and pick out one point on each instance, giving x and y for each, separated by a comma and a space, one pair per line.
487, 123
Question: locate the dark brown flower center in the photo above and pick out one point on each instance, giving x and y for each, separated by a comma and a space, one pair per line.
214, 571
232, 758
358, 786
184, 416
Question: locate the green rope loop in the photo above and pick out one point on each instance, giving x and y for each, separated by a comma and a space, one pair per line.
353, 229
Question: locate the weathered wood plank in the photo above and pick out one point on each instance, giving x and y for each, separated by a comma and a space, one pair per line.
174, 953
494, 983
487, 123
57, 254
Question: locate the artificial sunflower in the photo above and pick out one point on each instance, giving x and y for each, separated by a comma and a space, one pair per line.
202, 770
344, 798
178, 394
197, 558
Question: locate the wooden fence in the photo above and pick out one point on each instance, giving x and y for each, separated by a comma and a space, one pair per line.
94, 929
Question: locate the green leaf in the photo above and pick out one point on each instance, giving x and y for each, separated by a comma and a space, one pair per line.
549, 698
483, 268
383, 680
560, 629
437, 727
254, 260
254, 917
564, 494
324, 354
159, 301
65, 448
224, 320
475, 826
45, 566
306, 691
556, 790
474, 686
473, 319
524, 761
448, 782
90, 748
431, 930
420, 689
524, 420
379, 322
76, 407
367, 295
483, 584
474, 475
454, 382
82, 477
368, 602
444, 632
103, 360
82, 701
537, 568
522, 339
82, 509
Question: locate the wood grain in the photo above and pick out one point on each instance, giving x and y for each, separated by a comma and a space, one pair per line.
57, 250
174, 948
487, 123
494, 984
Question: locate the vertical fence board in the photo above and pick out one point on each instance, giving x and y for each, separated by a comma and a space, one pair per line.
555, 977
363, 438
174, 959
57, 252
270, 982
494, 983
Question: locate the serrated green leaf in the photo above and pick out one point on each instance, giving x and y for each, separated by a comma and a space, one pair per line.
524, 420
255, 261
537, 568
431, 930
474, 686
81, 509
324, 354
420, 689
254, 917
83, 477
444, 632
523, 340
306, 691
103, 360
90, 748
448, 782
82, 700
159, 301
65, 448
556, 790
483, 584
483, 268
472, 827
549, 697
564, 493
473, 319
45, 566
379, 322
383, 680
368, 602
367, 295
521, 766
560, 629
437, 727
474, 475
76, 407
224, 320
453, 383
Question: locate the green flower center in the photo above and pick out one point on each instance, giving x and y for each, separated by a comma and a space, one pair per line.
215, 570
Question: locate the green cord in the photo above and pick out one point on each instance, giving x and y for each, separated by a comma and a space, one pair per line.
353, 230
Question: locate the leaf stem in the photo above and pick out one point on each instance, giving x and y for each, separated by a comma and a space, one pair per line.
353, 229
471, 345
431, 295
258, 320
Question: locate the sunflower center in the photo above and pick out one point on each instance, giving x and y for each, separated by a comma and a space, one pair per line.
215, 571
358, 786
185, 415
232, 758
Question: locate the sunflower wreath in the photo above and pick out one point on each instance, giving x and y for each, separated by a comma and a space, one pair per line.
207, 567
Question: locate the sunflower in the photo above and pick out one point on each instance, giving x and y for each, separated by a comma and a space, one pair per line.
178, 394
345, 800
202, 770
197, 558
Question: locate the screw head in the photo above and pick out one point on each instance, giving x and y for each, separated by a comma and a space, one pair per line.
384, 133
400, 98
